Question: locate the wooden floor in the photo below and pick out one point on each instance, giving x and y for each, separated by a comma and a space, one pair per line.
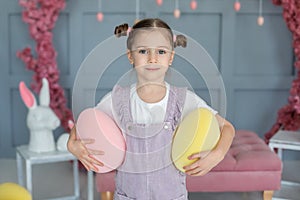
56, 179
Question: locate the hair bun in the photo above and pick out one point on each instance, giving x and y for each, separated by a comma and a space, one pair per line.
180, 41
121, 30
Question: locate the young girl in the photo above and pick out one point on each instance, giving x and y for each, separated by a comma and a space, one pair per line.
147, 113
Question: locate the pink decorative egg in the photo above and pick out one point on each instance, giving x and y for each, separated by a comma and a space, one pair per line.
100, 16
159, 2
237, 6
260, 20
95, 124
193, 4
177, 13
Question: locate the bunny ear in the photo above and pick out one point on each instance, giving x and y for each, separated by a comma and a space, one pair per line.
27, 96
44, 93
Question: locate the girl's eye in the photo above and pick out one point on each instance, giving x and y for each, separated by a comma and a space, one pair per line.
162, 51
142, 51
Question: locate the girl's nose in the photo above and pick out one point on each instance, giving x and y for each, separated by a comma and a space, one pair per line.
152, 56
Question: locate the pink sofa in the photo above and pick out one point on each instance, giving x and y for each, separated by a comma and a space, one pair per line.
249, 165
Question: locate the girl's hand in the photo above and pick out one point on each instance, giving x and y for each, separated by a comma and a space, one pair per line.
78, 149
206, 161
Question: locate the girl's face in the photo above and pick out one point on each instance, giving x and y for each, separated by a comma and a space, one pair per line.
151, 54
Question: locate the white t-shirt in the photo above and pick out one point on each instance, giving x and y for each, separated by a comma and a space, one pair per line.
150, 113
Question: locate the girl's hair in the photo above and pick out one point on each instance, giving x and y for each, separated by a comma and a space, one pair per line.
122, 30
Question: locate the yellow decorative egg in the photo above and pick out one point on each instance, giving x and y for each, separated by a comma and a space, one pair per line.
13, 191
199, 131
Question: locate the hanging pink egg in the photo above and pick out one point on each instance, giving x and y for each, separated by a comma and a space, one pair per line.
100, 16
237, 6
193, 4
159, 2
177, 13
260, 20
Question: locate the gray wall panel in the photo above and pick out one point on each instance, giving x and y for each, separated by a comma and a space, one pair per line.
61, 40
256, 49
256, 109
17, 42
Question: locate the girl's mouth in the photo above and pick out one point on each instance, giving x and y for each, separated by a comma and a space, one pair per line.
152, 69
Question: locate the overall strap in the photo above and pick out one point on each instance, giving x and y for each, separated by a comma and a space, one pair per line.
121, 104
175, 106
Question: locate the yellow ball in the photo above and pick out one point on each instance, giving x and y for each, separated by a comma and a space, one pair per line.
199, 131
13, 191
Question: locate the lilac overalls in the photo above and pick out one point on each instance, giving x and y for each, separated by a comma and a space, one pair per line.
147, 172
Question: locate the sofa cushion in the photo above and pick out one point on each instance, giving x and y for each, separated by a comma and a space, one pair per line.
249, 152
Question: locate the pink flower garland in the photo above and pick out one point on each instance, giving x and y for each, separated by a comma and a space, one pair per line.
288, 117
41, 16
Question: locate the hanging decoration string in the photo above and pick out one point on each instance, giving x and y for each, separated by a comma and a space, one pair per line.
100, 15
260, 19
137, 10
176, 10
99, 5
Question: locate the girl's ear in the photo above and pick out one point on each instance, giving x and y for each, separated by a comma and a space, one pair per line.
172, 57
129, 55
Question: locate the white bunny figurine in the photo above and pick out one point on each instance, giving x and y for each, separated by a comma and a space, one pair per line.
41, 120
